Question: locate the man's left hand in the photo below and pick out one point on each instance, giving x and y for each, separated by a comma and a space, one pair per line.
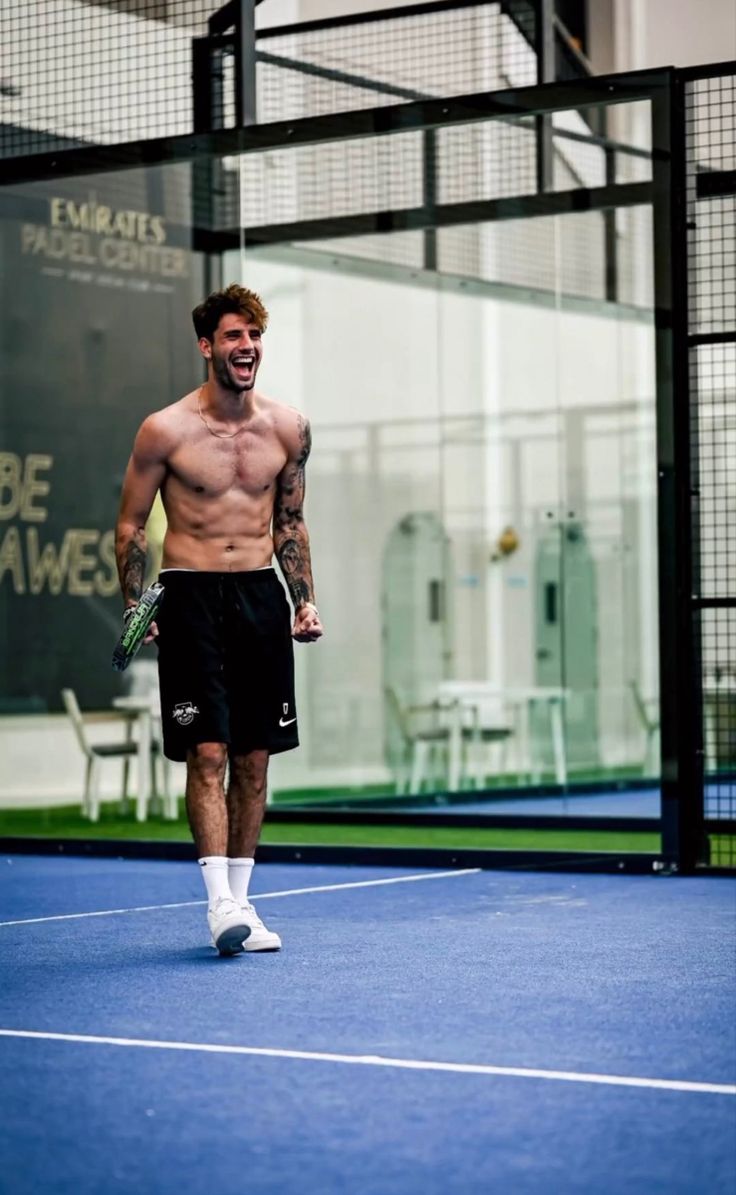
307, 625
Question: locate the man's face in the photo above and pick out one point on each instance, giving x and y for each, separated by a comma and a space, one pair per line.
235, 352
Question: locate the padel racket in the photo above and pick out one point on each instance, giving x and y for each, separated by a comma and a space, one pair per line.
136, 626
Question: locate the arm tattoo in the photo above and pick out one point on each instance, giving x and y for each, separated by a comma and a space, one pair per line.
293, 556
292, 479
291, 541
305, 442
132, 568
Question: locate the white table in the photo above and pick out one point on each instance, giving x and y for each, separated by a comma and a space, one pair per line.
520, 701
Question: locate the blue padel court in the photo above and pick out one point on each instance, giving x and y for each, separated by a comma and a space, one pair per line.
426, 1031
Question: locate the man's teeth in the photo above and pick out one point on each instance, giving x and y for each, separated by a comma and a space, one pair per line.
243, 360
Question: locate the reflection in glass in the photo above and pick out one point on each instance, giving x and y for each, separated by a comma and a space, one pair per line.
481, 500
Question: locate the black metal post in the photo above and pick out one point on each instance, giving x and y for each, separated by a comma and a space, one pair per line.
207, 172
245, 62
683, 829
544, 37
610, 239
430, 197
201, 85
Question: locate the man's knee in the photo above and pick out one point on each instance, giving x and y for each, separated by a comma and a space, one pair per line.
207, 758
249, 769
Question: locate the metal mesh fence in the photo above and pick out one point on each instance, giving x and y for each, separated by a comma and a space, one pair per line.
711, 219
393, 57
711, 134
349, 190
564, 254
74, 72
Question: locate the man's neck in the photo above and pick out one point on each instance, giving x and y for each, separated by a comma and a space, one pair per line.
227, 403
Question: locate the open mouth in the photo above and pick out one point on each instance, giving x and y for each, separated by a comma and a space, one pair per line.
243, 364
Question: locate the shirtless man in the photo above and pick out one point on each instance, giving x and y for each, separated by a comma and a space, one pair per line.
229, 463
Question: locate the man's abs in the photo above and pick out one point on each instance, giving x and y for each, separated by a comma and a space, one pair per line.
216, 553
218, 529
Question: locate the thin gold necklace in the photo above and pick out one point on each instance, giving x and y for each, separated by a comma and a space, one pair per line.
218, 435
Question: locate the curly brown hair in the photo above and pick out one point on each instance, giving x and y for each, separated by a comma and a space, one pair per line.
233, 300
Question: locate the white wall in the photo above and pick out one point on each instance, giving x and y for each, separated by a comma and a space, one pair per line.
640, 33
652, 33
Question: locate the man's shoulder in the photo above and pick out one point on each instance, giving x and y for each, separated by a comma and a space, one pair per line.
175, 415
276, 408
287, 420
161, 429
292, 427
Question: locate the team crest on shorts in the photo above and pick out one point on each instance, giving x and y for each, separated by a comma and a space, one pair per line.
184, 713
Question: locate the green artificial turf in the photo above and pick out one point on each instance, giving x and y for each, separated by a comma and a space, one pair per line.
67, 822
472, 838
723, 850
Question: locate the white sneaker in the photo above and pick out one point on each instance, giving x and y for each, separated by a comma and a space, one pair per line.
228, 926
259, 938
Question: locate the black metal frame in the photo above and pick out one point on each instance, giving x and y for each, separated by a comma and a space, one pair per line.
710, 184
413, 116
683, 826
231, 30
684, 839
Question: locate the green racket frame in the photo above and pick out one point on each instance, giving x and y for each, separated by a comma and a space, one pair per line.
136, 628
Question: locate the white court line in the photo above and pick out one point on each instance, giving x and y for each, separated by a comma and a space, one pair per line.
411, 1064
183, 904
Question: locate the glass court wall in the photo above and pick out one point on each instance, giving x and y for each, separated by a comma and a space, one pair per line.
481, 495
481, 500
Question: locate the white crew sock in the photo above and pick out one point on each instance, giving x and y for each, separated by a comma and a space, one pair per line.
215, 876
239, 873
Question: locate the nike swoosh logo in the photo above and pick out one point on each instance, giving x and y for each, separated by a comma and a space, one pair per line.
282, 723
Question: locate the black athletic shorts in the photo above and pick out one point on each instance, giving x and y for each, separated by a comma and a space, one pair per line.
225, 662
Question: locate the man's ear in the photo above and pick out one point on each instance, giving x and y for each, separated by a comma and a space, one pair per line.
205, 348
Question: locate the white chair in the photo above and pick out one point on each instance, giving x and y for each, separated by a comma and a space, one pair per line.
482, 726
95, 753
425, 744
485, 737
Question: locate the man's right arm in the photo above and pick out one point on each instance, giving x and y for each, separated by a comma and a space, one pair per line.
143, 478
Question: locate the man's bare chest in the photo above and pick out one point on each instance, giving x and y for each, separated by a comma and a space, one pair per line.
248, 463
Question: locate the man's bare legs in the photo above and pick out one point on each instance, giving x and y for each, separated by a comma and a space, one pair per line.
225, 824
207, 813
205, 798
246, 803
